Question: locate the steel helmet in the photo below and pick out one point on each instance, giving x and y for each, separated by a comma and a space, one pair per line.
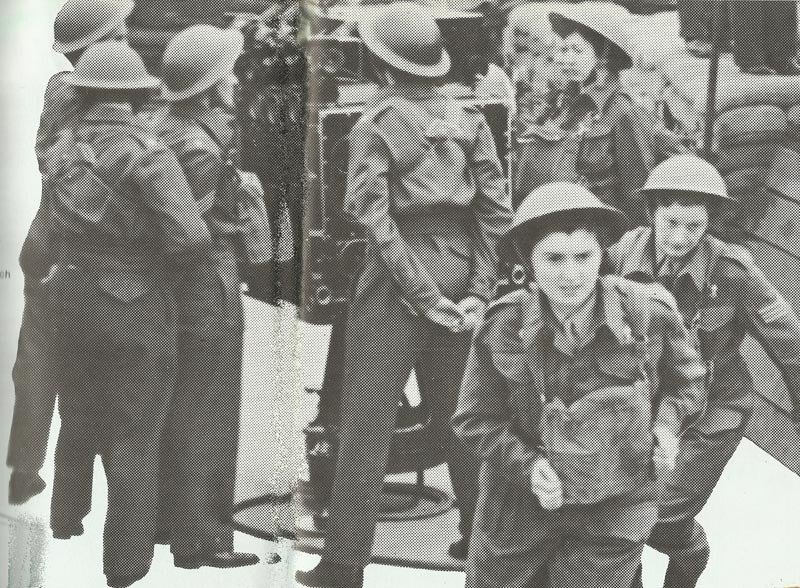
604, 18
407, 37
197, 58
81, 23
689, 174
559, 198
111, 65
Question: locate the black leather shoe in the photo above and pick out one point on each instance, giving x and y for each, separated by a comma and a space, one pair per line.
22, 486
124, 581
458, 549
328, 574
66, 531
221, 559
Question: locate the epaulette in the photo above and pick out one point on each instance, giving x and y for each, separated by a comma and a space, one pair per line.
736, 253
377, 111
505, 310
139, 133
513, 297
622, 248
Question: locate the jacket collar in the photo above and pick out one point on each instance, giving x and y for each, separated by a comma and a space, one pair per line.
610, 314
640, 262
601, 95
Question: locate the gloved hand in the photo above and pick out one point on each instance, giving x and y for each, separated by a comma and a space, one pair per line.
666, 450
472, 308
447, 314
546, 485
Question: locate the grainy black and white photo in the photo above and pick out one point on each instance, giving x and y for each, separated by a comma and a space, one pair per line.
369, 293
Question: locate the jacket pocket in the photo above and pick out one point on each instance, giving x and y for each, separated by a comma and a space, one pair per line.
620, 365
713, 318
596, 152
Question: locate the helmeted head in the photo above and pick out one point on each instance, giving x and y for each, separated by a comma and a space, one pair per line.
111, 71
81, 23
197, 59
562, 231
590, 36
684, 193
406, 37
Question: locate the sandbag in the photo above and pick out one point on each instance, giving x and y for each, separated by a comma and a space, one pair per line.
793, 116
730, 159
744, 182
689, 76
763, 123
653, 39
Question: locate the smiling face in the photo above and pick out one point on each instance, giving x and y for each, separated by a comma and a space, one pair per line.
566, 267
678, 228
575, 57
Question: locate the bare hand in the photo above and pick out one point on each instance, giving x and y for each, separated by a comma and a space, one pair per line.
472, 308
447, 314
546, 485
666, 450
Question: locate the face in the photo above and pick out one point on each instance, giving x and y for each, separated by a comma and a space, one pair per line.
566, 267
575, 57
678, 228
530, 60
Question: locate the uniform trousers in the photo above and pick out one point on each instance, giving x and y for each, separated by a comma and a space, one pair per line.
517, 544
202, 433
115, 397
701, 460
384, 341
36, 376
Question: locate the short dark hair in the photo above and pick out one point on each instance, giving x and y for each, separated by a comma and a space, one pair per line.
563, 223
668, 198
136, 98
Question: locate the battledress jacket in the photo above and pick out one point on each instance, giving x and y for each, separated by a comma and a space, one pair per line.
722, 296
507, 376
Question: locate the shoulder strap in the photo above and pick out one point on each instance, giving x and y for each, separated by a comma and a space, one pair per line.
638, 313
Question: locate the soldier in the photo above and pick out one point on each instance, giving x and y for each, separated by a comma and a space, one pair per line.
79, 24
722, 296
594, 134
562, 400
126, 221
203, 426
425, 183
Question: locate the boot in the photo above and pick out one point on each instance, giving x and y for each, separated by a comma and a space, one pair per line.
328, 574
685, 571
22, 486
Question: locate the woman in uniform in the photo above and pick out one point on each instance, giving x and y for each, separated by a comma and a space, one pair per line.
592, 133
722, 297
199, 463
425, 184
563, 404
